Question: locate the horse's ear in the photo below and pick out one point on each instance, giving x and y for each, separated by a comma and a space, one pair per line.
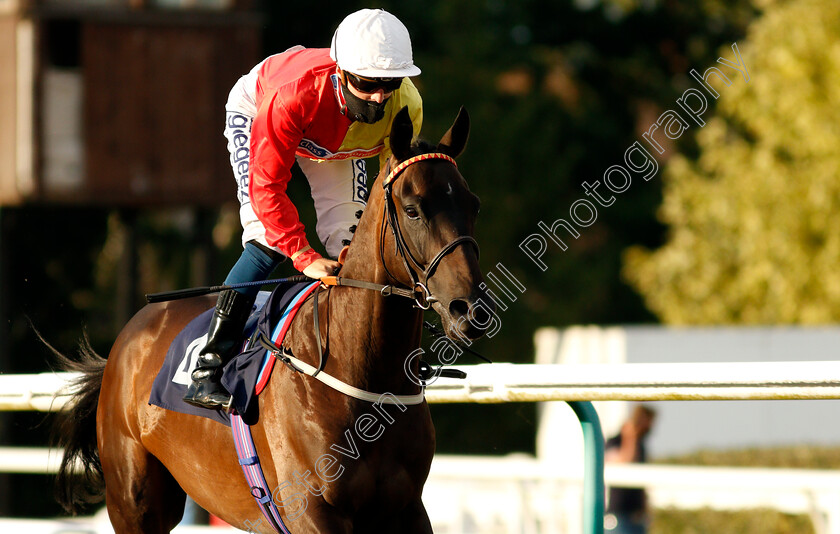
453, 142
401, 133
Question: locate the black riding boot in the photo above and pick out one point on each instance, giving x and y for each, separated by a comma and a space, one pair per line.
229, 317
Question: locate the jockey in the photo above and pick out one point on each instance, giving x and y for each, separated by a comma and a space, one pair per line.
325, 109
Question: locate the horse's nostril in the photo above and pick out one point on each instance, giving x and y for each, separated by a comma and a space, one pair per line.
459, 308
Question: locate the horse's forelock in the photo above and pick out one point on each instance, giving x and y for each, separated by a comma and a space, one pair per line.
421, 146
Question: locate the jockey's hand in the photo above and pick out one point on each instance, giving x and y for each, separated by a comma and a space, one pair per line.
321, 267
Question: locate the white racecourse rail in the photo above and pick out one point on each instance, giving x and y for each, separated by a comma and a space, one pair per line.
507, 382
540, 488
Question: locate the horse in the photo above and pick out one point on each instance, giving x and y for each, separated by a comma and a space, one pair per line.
416, 234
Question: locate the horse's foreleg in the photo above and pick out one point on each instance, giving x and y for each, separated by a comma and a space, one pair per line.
412, 519
140, 494
319, 517
415, 519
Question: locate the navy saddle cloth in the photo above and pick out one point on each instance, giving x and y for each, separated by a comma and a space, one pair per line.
240, 375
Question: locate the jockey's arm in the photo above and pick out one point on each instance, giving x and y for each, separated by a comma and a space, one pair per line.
275, 136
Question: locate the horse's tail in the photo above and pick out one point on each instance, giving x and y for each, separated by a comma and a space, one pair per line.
75, 430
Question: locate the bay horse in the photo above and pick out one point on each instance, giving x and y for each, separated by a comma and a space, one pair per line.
146, 459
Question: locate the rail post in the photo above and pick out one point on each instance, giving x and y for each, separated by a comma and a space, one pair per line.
593, 467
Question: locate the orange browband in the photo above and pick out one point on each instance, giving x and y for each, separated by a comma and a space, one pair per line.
401, 167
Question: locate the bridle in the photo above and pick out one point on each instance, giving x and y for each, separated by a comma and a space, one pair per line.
419, 274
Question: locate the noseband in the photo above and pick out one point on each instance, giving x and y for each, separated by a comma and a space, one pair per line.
419, 274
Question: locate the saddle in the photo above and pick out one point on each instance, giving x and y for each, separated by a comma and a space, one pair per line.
246, 374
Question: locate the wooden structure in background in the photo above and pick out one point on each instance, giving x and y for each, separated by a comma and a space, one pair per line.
114, 105
118, 104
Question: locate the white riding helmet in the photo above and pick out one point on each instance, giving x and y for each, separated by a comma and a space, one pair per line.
375, 44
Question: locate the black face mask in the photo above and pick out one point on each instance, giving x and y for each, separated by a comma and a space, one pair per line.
362, 110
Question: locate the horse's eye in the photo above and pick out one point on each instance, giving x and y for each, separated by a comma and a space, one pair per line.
412, 213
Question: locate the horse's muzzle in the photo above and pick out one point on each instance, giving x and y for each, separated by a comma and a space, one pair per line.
471, 318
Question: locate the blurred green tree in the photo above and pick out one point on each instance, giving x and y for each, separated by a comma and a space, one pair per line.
753, 219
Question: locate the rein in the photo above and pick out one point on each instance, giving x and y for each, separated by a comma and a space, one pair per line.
419, 292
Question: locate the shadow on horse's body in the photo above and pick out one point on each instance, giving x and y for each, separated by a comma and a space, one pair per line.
148, 457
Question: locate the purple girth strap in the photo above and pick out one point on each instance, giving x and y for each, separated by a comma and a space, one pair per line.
250, 462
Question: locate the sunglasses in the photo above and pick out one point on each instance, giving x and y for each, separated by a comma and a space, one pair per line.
372, 85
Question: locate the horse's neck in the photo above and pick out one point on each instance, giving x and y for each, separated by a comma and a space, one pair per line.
382, 331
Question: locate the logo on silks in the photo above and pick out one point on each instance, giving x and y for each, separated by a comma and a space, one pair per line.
360, 188
314, 149
185, 368
238, 133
